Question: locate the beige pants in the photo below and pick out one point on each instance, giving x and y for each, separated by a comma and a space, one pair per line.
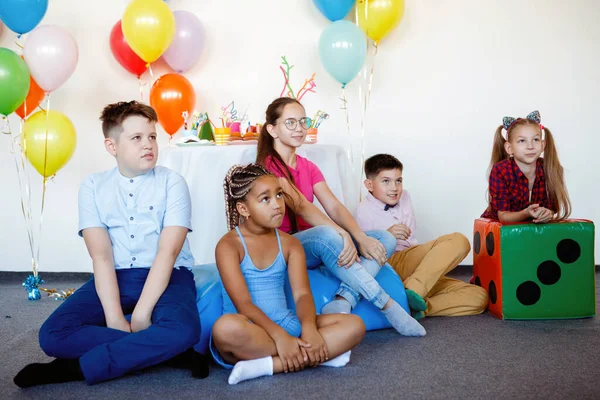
423, 269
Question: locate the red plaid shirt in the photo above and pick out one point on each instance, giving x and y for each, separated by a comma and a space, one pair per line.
509, 189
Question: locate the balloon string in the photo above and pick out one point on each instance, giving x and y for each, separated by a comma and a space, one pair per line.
19, 45
150, 69
142, 84
18, 151
368, 98
44, 184
5, 124
365, 100
347, 116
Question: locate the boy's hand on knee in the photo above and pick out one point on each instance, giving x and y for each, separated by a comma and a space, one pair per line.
371, 249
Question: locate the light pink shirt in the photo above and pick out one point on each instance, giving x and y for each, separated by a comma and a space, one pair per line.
371, 215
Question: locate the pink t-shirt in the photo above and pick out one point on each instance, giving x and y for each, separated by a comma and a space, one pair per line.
372, 215
306, 175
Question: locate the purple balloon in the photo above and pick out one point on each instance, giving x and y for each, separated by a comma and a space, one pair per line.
51, 55
188, 43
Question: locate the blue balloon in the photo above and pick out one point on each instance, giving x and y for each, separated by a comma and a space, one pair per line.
21, 16
343, 50
334, 10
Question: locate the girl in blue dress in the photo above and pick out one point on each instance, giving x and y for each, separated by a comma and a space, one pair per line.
258, 334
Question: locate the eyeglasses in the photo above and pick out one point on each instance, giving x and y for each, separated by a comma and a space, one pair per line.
292, 123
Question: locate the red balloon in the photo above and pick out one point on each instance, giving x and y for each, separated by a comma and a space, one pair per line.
170, 96
123, 53
34, 97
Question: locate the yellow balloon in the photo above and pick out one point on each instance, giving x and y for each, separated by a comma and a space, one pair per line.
149, 28
378, 17
48, 142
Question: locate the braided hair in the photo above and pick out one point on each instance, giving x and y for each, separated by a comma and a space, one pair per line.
238, 183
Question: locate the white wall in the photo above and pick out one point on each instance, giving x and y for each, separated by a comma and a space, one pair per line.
443, 81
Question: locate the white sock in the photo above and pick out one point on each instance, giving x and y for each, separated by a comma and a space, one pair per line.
250, 369
339, 361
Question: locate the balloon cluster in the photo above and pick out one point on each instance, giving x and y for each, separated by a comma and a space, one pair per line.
49, 59
149, 30
343, 45
47, 138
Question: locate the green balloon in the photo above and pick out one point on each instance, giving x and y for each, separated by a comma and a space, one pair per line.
14, 81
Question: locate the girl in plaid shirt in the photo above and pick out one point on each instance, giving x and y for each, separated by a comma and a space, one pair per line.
523, 185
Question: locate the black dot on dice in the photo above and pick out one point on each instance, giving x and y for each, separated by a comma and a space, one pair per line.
548, 272
477, 243
492, 292
528, 293
489, 244
568, 251
477, 281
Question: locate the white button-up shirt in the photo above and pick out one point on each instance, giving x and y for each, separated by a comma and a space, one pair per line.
134, 211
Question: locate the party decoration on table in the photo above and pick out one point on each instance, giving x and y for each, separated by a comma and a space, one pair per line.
123, 52
50, 139
228, 114
309, 84
149, 28
14, 81
188, 42
170, 96
185, 115
22, 16
319, 117
199, 119
377, 18
315, 123
334, 10
205, 127
51, 55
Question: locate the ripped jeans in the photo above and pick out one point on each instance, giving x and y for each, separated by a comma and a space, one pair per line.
323, 245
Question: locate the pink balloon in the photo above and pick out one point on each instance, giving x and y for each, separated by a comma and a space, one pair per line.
188, 42
51, 55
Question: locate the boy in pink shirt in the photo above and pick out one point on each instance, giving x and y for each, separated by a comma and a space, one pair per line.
421, 267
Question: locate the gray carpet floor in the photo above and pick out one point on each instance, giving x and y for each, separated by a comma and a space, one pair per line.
477, 357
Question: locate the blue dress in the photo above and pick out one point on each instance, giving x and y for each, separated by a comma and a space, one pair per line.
266, 287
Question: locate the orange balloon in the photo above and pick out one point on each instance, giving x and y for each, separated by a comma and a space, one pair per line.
170, 96
34, 97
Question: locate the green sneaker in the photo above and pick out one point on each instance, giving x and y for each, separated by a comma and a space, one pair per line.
417, 315
415, 302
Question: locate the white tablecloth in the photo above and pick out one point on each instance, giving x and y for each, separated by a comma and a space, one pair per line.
204, 168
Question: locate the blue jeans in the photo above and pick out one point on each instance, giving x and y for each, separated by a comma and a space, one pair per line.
323, 245
77, 329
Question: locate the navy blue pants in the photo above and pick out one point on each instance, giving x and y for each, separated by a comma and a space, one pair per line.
77, 329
